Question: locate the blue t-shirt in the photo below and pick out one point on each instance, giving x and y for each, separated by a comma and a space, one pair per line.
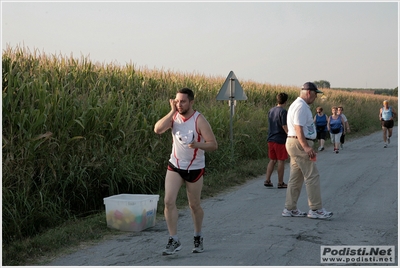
320, 121
336, 124
276, 119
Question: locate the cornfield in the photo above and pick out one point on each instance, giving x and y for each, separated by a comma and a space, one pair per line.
75, 132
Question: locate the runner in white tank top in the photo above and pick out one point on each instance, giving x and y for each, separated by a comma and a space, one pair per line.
192, 136
184, 132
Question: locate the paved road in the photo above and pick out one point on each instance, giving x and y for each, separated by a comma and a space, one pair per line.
244, 227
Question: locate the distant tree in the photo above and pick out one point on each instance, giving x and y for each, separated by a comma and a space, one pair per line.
386, 92
322, 84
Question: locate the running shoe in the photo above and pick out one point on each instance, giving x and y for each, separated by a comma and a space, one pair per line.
319, 214
293, 213
172, 247
198, 244
385, 146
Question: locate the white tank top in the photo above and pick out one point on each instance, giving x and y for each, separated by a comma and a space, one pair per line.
184, 131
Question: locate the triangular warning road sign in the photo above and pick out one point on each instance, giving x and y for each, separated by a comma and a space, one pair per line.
231, 89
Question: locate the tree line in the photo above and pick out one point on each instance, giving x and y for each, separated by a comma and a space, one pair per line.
385, 91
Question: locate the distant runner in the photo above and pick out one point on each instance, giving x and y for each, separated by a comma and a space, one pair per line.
386, 115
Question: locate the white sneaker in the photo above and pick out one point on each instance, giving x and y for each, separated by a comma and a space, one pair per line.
319, 214
385, 146
293, 213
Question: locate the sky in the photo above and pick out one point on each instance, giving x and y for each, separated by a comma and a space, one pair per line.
348, 44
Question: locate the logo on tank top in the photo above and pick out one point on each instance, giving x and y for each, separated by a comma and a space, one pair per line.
185, 138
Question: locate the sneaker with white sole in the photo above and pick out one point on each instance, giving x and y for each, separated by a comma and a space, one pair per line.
172, 247
319, 214
198, 244
293, 213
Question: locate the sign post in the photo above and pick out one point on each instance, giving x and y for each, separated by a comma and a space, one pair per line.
231, 90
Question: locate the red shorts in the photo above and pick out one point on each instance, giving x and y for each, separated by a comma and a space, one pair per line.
277, 151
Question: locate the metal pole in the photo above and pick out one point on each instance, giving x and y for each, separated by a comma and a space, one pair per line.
231, 101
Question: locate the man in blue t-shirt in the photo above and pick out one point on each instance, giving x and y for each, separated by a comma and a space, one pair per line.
277, 133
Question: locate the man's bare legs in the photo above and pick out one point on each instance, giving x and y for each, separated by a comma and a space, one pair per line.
281, 170
270, 169
193, 191
173, 183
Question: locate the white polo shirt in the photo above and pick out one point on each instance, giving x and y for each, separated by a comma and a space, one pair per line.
299, 113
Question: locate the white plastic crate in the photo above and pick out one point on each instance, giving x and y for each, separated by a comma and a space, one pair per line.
131, 212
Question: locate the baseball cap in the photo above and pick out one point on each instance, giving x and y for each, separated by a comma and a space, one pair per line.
311, 86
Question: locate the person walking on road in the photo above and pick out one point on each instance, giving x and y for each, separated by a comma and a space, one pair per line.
277, 133
346, 126
321, 122
336, 128
299, 145
386, 115
192, 136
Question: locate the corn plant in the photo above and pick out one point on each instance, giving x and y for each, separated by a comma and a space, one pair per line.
75, 132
